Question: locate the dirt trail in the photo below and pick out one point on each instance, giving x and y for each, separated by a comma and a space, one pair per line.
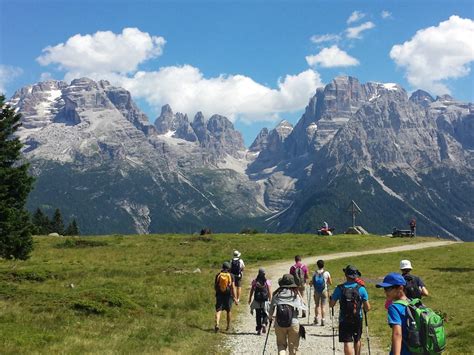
243, 339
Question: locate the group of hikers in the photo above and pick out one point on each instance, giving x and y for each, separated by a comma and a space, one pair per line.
286, 305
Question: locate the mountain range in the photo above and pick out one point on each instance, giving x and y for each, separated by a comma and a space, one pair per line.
99, 159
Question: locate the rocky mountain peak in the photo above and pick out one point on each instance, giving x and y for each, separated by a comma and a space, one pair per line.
422, 98
260, 141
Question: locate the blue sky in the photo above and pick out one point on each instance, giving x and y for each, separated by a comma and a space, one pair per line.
256, 62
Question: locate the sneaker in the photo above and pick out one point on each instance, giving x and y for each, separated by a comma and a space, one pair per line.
264, 329
216, 328
322, 322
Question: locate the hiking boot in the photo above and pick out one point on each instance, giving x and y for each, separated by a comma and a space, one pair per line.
259, 332
322, 322
264, 329
303, 315
216, 328
315, 321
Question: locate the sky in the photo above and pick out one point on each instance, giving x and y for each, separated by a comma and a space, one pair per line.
255, 62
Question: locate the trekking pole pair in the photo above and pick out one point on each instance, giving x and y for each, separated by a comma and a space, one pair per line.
266, 338
367, 331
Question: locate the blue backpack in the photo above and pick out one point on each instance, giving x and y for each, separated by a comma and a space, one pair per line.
318, 282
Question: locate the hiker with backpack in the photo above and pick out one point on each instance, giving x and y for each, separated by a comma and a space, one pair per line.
353, 298
262, 294
320, 281
414, 288
300, 274
416, 329
225, 294
237, 267
288, 303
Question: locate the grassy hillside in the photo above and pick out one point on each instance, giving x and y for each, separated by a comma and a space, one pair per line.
448, 273
134, 294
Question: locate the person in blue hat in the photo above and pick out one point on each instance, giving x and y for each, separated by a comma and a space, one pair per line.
393, 285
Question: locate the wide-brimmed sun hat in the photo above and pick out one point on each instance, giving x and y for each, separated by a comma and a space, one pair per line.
405, 265
236, 254
351, 271
392, 279
287, 281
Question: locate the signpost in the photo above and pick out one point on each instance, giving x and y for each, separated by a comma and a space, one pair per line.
354, 209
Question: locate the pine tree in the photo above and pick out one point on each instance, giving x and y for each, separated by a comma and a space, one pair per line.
15, 184
41, 223
72, 228
57, 225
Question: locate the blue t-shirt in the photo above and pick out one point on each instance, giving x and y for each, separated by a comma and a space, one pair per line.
397, 316
336, 296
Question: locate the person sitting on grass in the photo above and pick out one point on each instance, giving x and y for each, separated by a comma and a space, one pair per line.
225, 294
262, 294
394, 286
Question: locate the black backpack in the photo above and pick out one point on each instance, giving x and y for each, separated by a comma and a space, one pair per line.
284, 315
351, 304
298, 275
411, 288
261, 292
235, 267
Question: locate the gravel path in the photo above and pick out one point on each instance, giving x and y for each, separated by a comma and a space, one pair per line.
242, 338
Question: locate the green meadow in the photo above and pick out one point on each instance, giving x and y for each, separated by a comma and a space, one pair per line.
448, 273
142, 294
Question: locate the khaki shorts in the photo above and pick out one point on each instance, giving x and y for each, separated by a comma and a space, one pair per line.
320, 297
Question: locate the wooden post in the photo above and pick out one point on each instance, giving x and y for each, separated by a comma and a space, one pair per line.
354, 209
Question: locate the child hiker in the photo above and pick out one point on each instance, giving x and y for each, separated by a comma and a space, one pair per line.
393, 284
262, 295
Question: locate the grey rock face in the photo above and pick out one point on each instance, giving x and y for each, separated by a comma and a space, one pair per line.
422, 98
260, 142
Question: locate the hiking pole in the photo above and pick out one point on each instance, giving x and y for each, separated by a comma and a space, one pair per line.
367, 331
333, 336
266, 338
309, 304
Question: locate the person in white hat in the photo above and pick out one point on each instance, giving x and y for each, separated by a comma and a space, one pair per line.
237, 267
415, 288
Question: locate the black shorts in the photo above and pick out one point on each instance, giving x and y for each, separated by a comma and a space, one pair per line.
349, 333
223, 301
237, 280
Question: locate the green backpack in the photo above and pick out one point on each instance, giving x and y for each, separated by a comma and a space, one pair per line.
425, 328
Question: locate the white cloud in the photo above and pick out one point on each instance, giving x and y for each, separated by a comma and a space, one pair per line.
46, 76
386, 14
437, 53
355, 32
7, 74
104, 51
116, 58
355, 16
332, 57
329, 37
235, 96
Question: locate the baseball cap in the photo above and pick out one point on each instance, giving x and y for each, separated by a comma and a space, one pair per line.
392, 279
405, 264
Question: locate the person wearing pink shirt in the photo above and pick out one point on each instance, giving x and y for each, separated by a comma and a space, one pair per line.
300, 274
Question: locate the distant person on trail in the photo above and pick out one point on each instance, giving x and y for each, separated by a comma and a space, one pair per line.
415, 288
393, 285
413, 227
288, 303
300, 275
262, 295
225, 293
320, 281
237, 267
352, 299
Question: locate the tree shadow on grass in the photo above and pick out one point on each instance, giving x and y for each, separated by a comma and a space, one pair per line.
222, 331
453, 269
